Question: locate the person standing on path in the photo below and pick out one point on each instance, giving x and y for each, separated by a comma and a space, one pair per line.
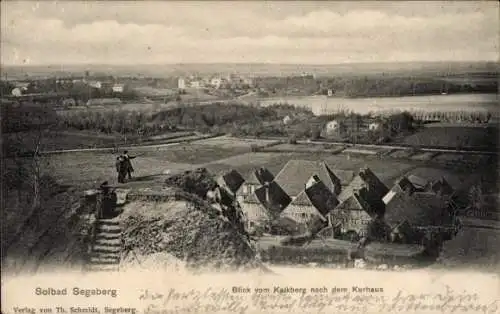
128, 164
121, 169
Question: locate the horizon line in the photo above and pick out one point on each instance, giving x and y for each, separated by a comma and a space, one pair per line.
247, 63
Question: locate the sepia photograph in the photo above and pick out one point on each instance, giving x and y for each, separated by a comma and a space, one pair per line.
323, 150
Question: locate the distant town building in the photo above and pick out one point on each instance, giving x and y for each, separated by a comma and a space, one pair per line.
69, 102
247, 81
17, 91
181, 83
20, 88
118, 88
374, 126
334, 129
195, 84
287, 120
216, 82
95, 84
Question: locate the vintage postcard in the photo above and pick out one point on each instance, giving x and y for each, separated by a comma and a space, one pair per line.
249, 157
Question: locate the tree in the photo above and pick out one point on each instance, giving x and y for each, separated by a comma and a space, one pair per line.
26, 171
476, 198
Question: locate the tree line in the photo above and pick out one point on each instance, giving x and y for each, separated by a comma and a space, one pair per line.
377, 85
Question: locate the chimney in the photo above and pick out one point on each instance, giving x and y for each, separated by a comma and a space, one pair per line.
268, 193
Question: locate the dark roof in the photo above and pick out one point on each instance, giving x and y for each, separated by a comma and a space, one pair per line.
368, 180
278, 199
225, 198
419, 209
294, 175
441, 186
418, 182
320, 196
259, 176
360, 200
403, 185
374, 184
232, 180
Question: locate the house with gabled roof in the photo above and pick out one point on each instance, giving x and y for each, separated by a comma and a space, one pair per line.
368, 180
421, 210
441, 187
314, 202
265, 204
253, 180
356, 211
274, 199
403, 185
419, 183
294, 175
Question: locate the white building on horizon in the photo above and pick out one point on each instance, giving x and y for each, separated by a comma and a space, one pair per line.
181, 83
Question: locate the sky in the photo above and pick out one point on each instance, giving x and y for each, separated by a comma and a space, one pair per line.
326, 32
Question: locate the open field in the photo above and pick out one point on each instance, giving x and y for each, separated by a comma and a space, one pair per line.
62, 140
145, 106
485, 138
232, 142
304, 148
423, 156
98, 166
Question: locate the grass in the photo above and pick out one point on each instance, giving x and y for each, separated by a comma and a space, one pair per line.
58, 140
455, 138
236, 143
62, 140
303, 148
86, 168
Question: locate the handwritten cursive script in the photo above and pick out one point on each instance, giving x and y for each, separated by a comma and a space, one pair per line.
214, 300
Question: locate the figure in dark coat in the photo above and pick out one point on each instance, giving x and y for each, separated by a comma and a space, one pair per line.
129, 168
108, 200
121, 169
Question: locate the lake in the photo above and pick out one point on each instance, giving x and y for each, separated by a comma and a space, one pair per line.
326, 105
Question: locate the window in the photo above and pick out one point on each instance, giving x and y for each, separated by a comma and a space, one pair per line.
303, 215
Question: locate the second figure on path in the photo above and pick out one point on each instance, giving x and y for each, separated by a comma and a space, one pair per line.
121, 169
